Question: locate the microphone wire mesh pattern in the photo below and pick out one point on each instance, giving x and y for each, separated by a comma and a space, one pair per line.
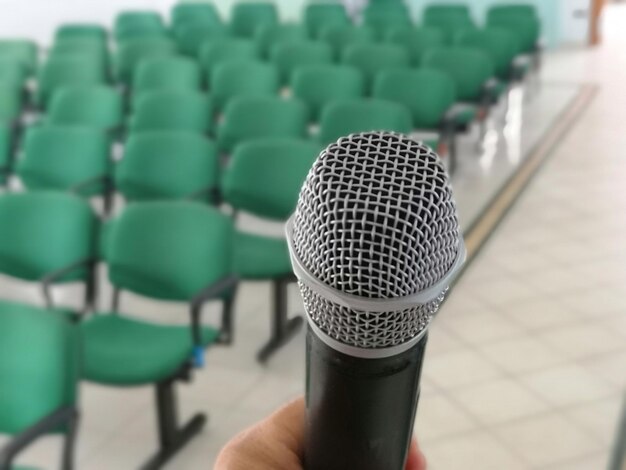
375, 219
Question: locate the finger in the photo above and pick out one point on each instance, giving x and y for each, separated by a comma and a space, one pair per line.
416, 460
287, 425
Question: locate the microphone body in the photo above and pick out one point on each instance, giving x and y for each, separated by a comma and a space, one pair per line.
360, 411
375, 244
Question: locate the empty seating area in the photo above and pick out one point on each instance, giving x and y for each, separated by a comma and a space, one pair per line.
138, 148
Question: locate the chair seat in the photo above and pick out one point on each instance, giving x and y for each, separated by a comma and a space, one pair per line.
261, 257
119, 350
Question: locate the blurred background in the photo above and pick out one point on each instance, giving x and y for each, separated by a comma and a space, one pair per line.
151, 152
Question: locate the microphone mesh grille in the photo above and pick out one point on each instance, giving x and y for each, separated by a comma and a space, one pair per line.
376, 219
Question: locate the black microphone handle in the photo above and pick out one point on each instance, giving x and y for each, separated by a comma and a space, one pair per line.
360, 412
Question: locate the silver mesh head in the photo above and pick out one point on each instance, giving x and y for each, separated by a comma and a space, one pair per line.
375, 219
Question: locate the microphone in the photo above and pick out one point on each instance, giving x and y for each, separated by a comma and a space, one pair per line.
375, 244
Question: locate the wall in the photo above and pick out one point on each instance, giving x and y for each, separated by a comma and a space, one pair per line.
38, 18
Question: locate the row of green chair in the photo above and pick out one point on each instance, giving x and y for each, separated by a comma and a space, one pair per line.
52, 238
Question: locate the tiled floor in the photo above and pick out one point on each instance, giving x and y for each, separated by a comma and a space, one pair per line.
527, 360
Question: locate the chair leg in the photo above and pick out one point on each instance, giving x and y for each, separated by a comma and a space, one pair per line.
226, 334
91, 289
452, 153
172, 438
283, 328
67, 462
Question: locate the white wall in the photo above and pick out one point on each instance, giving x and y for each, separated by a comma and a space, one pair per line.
37, 19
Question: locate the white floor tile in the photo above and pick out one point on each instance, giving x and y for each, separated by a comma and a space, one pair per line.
568, 385
499, 401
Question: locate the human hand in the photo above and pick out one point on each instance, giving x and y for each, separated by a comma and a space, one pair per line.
277, 443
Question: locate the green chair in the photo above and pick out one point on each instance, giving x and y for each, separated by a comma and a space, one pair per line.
319, 85
341, 36
50, 238
131, 52
383, 18
81, 31
24, 50
288, 57
168, 165
269, 35
68, 70
213, 53
6, 153
175, 251
373, 58
470, 68
39, 371
430, 96
138, 24
347, 117
91, 48
96, 106
449, 18
263, 178
501, 45
11, 100
319, 15
76, 159
416, 40
247, 17
246, 78
523, 21
13, 72
166, 73
191, 36
248, 118
173, 110
189, 12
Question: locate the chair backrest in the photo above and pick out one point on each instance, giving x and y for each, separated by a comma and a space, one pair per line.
68, 70
167, 165
80, 31
264, 176
247, 17
499, 44
43, 232
287, 57
245, 78
62, 157
131, 52
416, 40
449, 18
346, 117
169, 250
192, 35
218, 51
319, 15
192, 11
269, 35
342, 36
173, 110
24, 50
257, 117
385, 17
86, 45
176, 73
512, 10
470, 68
526, 28
96, 106
13, 72
136, 24
39, 365
428, 93
318, 85
373, 58
10, 103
